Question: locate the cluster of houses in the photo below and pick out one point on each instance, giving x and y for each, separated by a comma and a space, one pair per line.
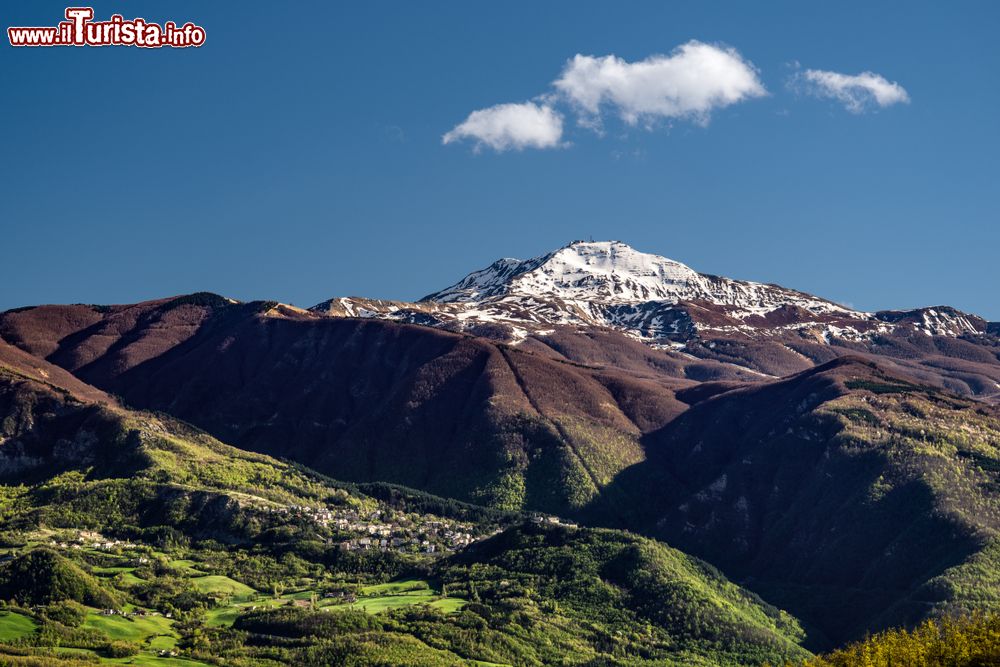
386, 530
92, 540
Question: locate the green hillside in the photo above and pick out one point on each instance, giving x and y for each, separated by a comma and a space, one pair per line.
853, 498
133, 538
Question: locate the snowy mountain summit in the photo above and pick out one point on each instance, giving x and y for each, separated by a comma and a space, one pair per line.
612, 272
582, 271
659, 300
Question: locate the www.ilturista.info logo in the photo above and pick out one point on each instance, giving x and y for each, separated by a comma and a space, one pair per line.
79, 29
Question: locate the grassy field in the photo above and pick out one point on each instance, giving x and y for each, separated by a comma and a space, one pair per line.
224, 616
144, 659
127, 574
396, 594
147, 660
133, 629
225, 586
449, 605
130, 579
385, 603
163, 643
394, 587
14, 626
188, 567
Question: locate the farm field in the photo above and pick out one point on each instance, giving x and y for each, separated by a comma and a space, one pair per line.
14, 626
133, 629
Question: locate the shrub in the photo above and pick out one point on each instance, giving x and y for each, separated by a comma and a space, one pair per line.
121, 649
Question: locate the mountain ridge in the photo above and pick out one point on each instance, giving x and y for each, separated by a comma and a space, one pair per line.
660, 300
664, 304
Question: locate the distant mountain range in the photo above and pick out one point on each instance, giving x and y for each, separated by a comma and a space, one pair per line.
650, 297
844, 465
767, 328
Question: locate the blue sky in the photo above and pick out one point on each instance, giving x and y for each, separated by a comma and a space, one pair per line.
298, 155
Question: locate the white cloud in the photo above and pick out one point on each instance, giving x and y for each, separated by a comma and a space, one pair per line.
510, 126
856, 92
689, 83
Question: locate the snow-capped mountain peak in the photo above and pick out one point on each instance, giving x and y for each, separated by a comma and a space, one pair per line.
582, 270
610, 284
607, 270
612, 272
